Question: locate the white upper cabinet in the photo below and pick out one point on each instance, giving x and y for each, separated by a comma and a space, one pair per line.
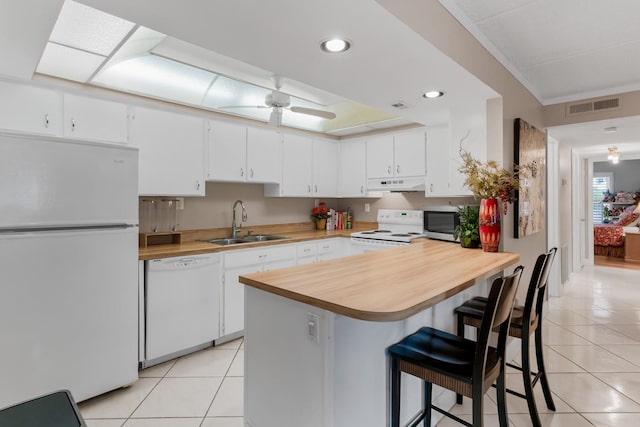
95, 119
380, 156
325, 168
409, 151
171, 158
30, 109
264, 155
353, 169
396, 155
227, 152
467, 126
240, 154
438, 162
297, 176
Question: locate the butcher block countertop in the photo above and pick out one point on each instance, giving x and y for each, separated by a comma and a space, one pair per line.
387, 285
193, 244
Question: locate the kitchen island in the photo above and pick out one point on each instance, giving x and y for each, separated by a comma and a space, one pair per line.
316, 334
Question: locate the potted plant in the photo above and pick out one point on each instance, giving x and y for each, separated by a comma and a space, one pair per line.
320, 214
468, 230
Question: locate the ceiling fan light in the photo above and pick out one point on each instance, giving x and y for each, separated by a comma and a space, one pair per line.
335, 45
275, 119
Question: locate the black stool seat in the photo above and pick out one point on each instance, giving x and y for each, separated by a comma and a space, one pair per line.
473, 310
433, 349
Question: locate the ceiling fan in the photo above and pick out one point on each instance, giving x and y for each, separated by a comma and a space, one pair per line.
278, 101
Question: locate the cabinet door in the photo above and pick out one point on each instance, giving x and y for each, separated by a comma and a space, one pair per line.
264, 155
227, 154
468, 128
95, 119
438, 162
171, 152
380, 156
331, 249
30, 109
353, 169
297, 164
325, 168
233, 299
409, 154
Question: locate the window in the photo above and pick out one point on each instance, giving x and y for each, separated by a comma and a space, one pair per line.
602, 182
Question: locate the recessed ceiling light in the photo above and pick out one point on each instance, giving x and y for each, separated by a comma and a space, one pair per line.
335, 45
433, 94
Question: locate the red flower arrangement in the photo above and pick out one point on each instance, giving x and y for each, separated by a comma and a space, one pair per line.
320, 212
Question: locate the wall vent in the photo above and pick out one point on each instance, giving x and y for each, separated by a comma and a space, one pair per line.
592, 106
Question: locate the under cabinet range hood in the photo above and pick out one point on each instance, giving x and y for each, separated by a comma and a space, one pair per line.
416, 183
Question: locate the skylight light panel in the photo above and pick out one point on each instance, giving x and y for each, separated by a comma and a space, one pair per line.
88, 29
68, 63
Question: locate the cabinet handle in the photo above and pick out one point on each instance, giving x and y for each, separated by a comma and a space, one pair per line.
389, 170
431, 188
251, 171
362, 189
197, 185
46, 121
241, 172
315, 188
308, 250
73, 125
308, 188
397, 168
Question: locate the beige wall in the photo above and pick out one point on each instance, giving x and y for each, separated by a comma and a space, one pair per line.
554, 115
431, 20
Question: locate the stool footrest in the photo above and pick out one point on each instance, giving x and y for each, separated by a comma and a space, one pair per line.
449, 415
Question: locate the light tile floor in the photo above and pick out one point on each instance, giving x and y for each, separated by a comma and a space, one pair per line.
592, 353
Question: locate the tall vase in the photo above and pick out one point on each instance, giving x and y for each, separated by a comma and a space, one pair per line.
489, 225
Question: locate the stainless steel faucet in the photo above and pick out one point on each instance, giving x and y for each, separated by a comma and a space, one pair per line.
234, 227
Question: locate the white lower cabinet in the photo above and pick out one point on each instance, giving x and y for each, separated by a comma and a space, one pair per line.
245, 261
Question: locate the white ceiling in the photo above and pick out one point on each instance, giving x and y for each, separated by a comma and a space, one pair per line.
388, 62
565, 51
562, 50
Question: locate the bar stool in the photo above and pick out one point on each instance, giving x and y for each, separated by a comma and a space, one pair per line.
456, 363
57, 409
525, 321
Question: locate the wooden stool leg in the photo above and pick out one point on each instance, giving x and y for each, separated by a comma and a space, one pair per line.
528, 386
428, 387
394, 393
543, 373
460, 331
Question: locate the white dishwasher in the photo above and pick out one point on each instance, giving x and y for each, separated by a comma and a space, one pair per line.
182, 305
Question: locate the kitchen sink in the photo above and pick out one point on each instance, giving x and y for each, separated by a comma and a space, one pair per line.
245, 239
225, 242
261, 238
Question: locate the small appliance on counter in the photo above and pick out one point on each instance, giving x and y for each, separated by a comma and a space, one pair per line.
440, 222
395, 228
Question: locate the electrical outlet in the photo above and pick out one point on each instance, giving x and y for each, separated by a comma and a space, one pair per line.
180, 203
367, 207
313, 327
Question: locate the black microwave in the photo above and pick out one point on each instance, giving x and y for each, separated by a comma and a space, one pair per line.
440, 222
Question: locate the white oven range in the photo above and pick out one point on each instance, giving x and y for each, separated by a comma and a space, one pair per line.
395, 228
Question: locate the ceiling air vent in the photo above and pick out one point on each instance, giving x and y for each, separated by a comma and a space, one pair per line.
592, 106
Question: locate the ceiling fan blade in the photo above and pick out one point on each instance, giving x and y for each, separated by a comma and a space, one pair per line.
242, 106
313, 112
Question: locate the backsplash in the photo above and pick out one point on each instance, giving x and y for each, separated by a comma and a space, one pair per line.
214, 210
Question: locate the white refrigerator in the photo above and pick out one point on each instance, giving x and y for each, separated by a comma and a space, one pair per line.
68, 267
